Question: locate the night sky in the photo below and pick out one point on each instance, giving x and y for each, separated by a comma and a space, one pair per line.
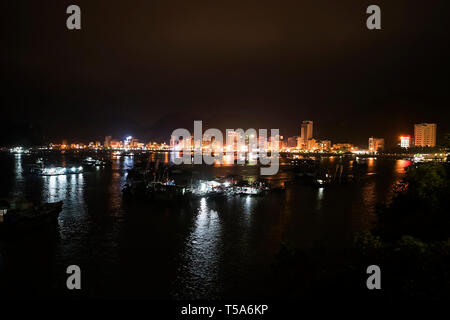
147, 67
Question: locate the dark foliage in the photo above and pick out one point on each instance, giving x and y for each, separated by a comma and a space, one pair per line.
410, 242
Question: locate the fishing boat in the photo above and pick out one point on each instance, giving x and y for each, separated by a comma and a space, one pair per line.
89, 161
168, 191
56, 171
39, 168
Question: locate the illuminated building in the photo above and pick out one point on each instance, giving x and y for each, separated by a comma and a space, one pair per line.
181, 143
188, 143
376, 144
344, 147
115, 144
405, 141
292, 142
262, 143
311, 144
306, 133
127, 142
425, 134
324, 145
282, 142
131, 143
198, 144
232, 140
274, 142
173, 141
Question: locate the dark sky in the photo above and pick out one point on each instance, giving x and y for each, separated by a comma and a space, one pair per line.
146, 67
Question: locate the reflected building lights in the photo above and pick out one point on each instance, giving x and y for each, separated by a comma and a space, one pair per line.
201, 267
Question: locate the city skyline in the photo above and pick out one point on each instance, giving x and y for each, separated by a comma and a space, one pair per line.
424, 136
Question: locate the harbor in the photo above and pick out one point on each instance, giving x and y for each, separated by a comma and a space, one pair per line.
185, 243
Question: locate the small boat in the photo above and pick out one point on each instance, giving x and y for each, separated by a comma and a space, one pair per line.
89, 161
16, 221
167, 192
248, 190
57, 171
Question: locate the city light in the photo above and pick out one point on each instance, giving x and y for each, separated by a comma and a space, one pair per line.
405, 141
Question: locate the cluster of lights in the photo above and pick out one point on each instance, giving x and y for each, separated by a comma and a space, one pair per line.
55, 171
211, 187
19, 150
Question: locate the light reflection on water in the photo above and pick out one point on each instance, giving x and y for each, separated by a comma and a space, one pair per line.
320, 194
18, 182
371, 164
401, 165
198, 273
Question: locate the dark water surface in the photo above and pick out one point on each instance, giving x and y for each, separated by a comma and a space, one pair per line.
203, 249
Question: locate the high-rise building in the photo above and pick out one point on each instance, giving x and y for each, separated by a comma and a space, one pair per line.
306, 133
425, 134
376, 144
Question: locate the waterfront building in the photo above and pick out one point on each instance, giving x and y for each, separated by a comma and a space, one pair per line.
292, 142
405, 141
115, 144
306, 133
376, 144
344, 147
274, 143
324, 145
311, 144
425, 134
232, 140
